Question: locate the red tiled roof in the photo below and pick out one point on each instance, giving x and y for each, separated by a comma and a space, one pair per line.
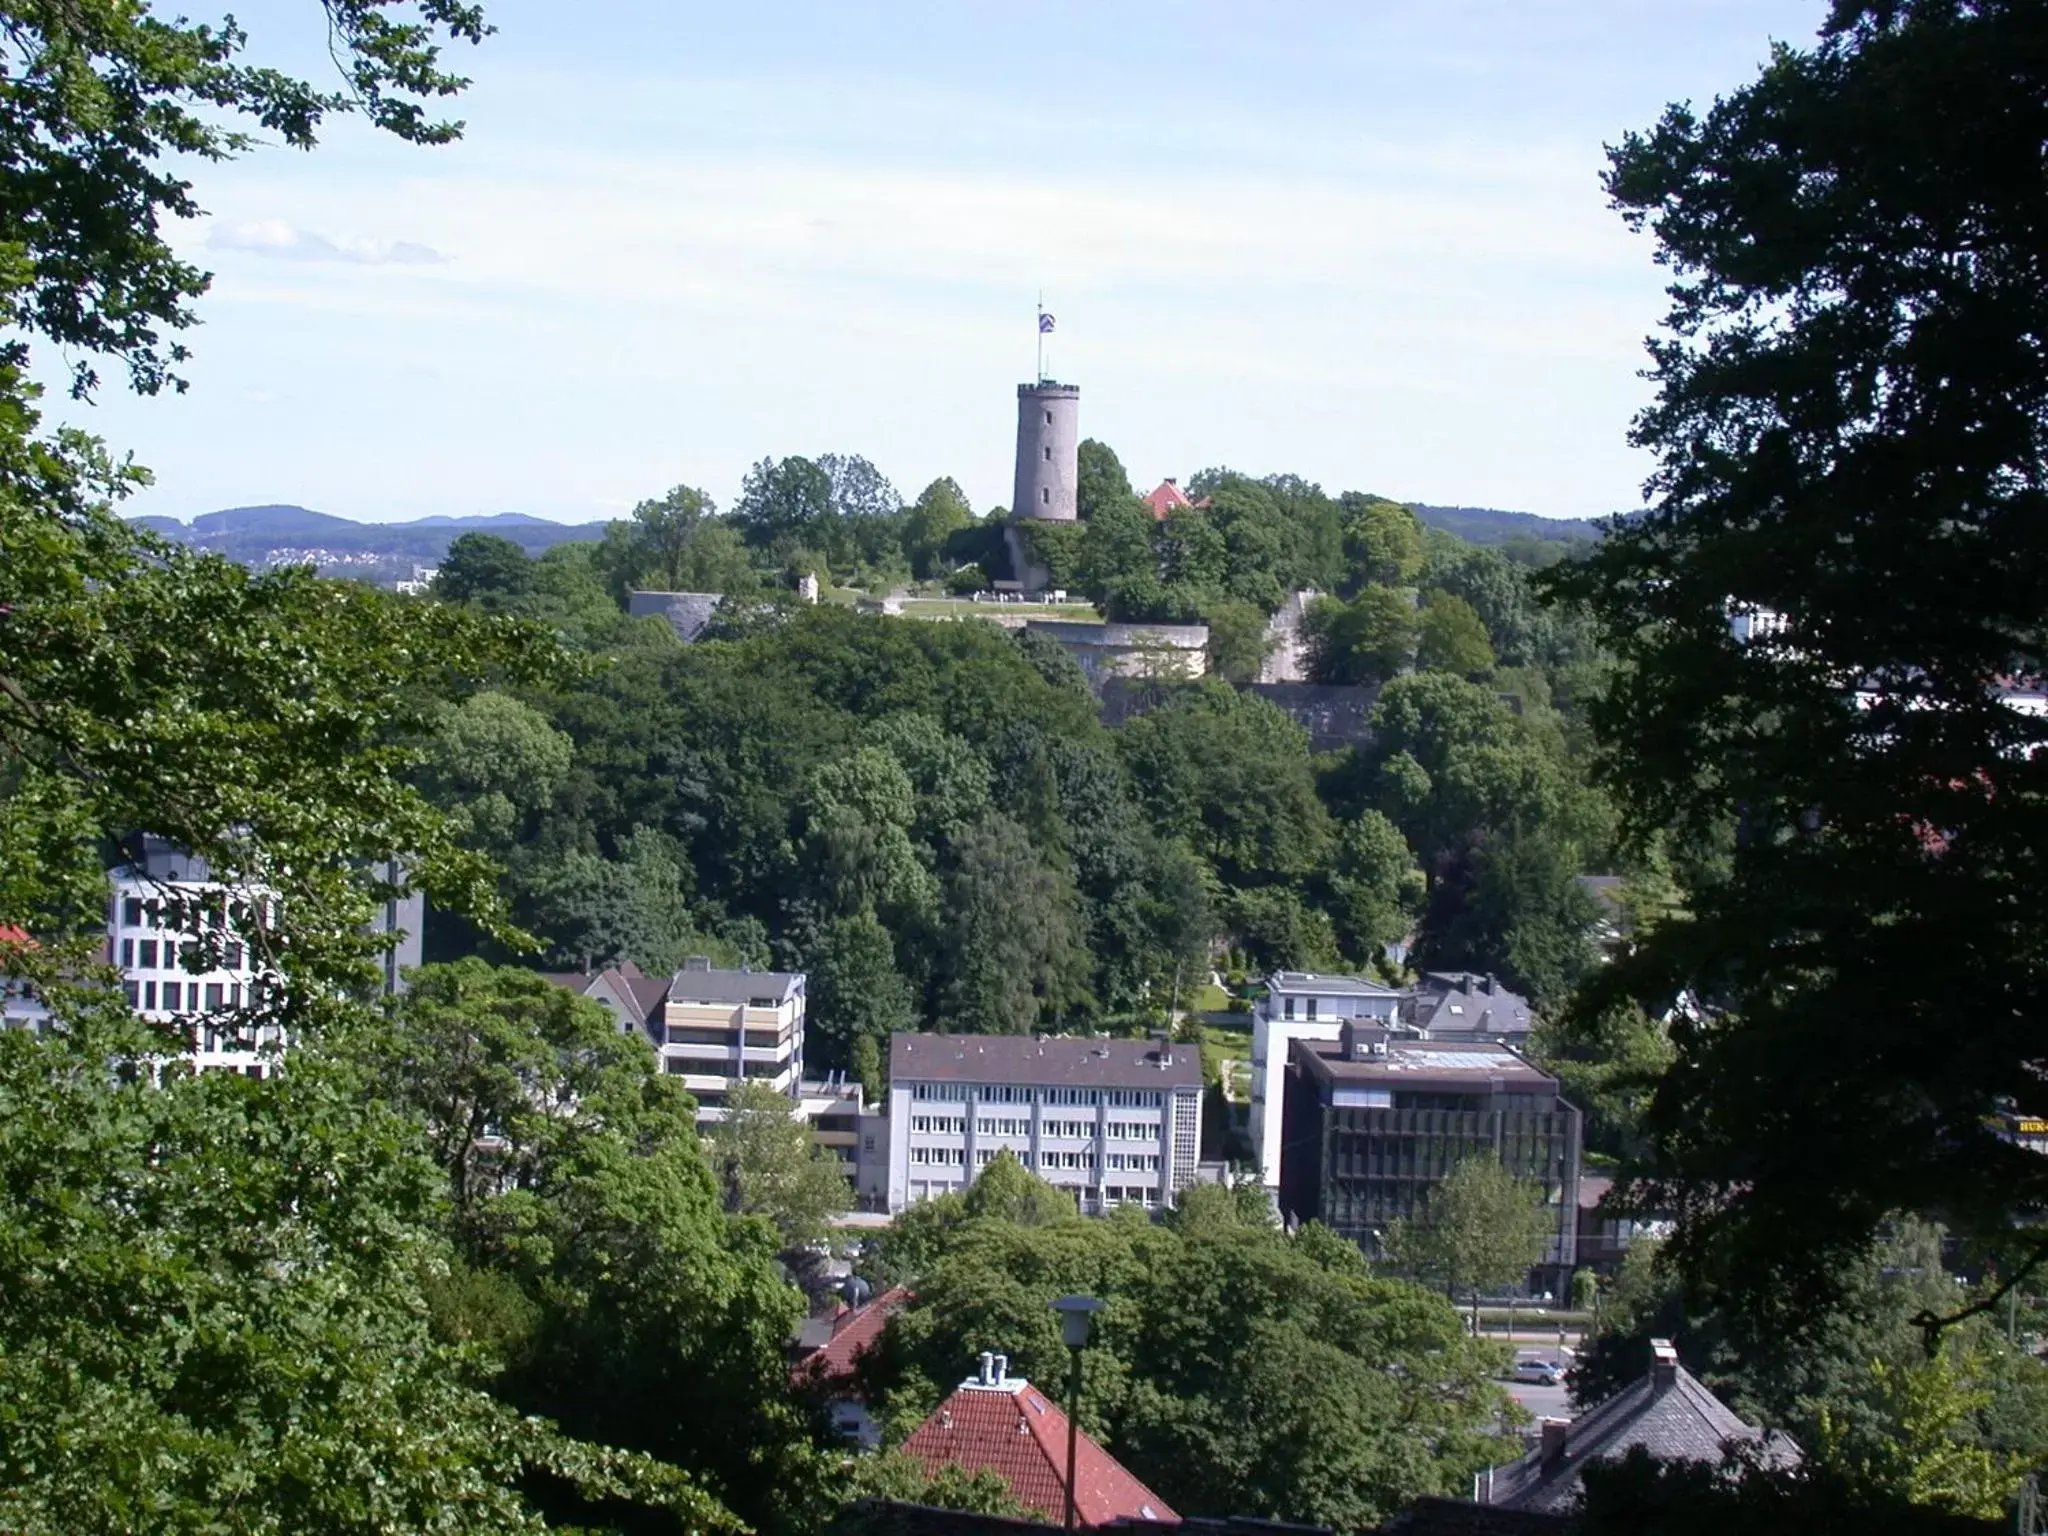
1167, 498
833, 1365
1015, 1431
9, 934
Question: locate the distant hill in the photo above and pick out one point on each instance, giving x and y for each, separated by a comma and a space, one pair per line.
1490, 525
288, 535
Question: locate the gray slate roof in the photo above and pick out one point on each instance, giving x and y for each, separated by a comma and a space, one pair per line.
1674, 1418
1458, 1003
1024, 1059
689, 614
710, 985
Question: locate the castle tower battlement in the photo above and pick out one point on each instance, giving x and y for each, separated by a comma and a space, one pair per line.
1048, 452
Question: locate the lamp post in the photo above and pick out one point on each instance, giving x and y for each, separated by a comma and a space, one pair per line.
1077, 1315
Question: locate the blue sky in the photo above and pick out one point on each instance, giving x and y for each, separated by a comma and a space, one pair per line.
1363, 242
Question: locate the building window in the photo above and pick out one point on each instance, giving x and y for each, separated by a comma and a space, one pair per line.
1312, 1007
867, 1143
1048, 418
149, 954
1048, 455
234, 957
127, 954
214, 997
131, 911
149, 996
1045, 496
1287, 1009
132, 992
173, 996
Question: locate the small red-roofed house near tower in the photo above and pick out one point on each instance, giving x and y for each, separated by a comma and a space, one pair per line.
20, 1008
1001, 1423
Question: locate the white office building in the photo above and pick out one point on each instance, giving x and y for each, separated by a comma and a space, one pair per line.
1114, 1122
1301, 1005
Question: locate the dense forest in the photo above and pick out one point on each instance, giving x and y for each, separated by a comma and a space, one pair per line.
932, 821
464, 1264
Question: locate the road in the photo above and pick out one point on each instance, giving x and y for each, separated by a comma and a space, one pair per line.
1542, 1402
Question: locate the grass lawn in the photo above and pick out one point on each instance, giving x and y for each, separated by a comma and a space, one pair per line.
1208, 998
1220, 1044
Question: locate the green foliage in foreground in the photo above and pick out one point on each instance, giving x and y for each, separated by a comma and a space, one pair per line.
1236, 1369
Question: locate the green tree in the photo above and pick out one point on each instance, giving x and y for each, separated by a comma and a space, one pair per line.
940, 511
765, 1163
1451, 638
1100, 483
855, 991
579, 1189
493, 760
1376, 889
1238, 641
787, 502
1480, 1229
663, 531
1926, 1455
1367, 640
1010, 938
1244, 1369
859, 490
484, 569
1846, 420
1382, 541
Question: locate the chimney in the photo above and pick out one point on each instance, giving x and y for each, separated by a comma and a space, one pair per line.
1002, 1370
986, 1376
1554, 1433
1663, 1363
1488, 984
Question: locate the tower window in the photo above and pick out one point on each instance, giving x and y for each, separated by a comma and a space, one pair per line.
1045, 496
1048, 455
1048, 418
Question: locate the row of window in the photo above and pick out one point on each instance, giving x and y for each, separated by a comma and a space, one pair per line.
182, 996
195, 914
991, 1125
1009, 1093
678, 1066
144, 954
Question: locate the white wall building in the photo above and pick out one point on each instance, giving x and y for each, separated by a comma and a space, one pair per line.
717, 1028
1301, 1005
1115, 1122
181, 941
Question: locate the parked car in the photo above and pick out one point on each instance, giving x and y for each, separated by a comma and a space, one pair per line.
1540, 1373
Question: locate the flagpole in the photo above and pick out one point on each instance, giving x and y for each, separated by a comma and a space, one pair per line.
1040, 327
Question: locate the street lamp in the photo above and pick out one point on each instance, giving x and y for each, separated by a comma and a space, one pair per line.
1077, 1316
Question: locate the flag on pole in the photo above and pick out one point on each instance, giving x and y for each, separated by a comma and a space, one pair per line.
1044, 323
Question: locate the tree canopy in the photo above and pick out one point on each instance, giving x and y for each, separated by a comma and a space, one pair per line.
1847, 428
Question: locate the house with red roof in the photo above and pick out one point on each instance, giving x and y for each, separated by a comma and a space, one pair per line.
1169, 498
831, 1372
19, 1005
1001, 1423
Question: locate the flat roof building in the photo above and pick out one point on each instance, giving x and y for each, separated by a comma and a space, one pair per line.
1114, 1122
1374, 1120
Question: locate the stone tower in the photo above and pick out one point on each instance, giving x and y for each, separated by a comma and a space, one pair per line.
1048, 452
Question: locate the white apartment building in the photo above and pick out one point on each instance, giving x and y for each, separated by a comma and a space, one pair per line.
717, 1028
180, 940
1301, 1005
1114, 1122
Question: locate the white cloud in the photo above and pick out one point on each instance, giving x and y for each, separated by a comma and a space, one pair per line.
285, 242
